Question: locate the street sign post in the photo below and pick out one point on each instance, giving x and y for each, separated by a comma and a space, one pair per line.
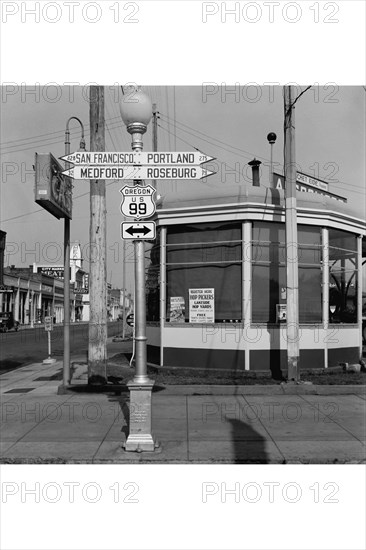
138, 201
48, 326
131, 172
145, 231
121, 158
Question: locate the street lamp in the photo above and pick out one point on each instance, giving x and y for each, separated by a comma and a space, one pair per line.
66, 364
136, 113
271, 140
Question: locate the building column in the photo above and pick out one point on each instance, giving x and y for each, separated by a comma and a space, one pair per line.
16, 304
21, 312
325, 291
27, 308
359, 291
247, 285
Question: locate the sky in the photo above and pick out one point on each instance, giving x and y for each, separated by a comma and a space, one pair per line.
229, 123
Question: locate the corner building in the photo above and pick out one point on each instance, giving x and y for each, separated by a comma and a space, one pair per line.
230, 241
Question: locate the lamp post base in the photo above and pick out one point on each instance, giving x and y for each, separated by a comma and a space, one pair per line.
140, 438
49, 361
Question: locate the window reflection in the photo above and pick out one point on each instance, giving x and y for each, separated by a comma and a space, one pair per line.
342, 277
269, 272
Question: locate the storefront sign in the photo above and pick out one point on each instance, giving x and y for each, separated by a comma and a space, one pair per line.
177, 309
53, 191
46, 288
306, 184
201, 305
52, 271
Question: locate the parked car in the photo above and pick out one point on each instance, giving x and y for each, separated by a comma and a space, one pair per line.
7, 322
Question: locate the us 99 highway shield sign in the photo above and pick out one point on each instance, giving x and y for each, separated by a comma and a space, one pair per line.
138, 201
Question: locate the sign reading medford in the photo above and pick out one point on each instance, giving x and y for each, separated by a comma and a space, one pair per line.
53, 190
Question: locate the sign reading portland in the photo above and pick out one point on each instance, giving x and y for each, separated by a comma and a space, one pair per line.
115, 158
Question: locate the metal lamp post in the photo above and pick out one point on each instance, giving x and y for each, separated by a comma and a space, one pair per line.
271, 140
66, 364
136, 113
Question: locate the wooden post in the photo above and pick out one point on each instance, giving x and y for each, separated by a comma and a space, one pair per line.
97, 358
292, 271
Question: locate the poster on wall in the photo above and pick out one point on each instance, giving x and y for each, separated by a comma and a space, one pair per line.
177, 309
201, 305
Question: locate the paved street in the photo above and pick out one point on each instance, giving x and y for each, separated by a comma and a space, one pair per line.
30, 345
197, 424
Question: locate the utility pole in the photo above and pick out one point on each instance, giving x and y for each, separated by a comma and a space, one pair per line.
97, 358
292, 271
154, 135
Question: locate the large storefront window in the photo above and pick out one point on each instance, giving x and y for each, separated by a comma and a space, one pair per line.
342, 277
208, 257
269, 272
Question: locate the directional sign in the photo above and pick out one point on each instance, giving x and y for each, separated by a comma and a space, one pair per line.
138, 231
130, 319
129, 172
138, 201
116, 158
137, 172
48, 324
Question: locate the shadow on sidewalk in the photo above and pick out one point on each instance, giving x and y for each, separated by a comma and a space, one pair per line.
124, 404
249, 445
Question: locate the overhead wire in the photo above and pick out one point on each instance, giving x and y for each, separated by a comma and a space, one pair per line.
356, 187
58, 136
248, 153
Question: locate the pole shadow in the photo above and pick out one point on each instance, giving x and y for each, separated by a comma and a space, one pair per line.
249, 445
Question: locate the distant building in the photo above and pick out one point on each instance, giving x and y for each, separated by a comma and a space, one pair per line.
34, 292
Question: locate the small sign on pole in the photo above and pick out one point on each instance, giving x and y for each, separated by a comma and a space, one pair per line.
48, 326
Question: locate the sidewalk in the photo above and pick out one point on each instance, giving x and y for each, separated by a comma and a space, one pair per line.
194, 424
41, 325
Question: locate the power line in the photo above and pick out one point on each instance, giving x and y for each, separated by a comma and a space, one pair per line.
59, 134
248, 155
355, 190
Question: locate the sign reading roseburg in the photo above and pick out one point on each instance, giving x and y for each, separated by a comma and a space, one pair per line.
201, 305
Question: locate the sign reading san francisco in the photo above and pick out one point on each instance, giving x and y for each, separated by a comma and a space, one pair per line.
143, 158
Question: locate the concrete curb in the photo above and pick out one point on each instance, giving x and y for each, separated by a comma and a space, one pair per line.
198, 390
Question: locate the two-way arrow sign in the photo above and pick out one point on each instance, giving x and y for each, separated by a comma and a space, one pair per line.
122, 158
129, 172
138, 231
